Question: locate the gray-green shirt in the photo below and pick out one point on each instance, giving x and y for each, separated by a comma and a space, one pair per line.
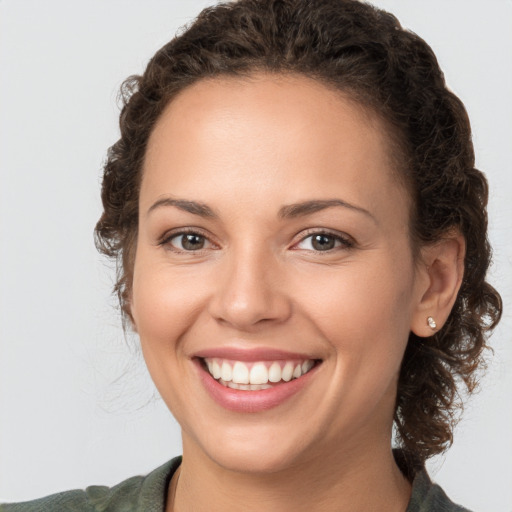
148, 494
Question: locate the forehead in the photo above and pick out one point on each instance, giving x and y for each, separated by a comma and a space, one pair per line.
271, 133
267, 101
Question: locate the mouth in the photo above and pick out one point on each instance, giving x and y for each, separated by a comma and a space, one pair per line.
254, 381
257, 375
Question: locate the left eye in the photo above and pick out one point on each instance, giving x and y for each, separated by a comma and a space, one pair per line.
188, 241
322, 242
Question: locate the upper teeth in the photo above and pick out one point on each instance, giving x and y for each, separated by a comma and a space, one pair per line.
260, 372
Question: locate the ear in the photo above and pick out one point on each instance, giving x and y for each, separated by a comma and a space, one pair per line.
441, 269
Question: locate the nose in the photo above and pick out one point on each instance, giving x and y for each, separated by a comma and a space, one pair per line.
250, 292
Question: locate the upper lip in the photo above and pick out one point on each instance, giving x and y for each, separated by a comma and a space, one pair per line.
250, 354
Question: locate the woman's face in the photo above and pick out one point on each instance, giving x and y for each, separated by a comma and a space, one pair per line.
273, 250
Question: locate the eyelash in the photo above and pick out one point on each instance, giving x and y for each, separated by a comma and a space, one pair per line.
344, 241
166, 240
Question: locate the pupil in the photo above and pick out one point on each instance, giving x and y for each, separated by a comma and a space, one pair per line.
192, 242
323, 242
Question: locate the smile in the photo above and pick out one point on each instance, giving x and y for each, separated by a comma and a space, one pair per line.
256, 376
256, 380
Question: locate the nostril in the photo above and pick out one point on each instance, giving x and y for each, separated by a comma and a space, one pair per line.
247, 295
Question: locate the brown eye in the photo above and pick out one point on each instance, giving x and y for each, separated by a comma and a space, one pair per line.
322, 242
188, 242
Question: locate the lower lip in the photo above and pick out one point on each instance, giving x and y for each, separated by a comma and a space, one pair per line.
239, 400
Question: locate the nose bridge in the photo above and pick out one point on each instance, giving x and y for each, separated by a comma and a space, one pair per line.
249, 290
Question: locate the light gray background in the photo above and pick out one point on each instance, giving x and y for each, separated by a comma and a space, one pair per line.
76, 405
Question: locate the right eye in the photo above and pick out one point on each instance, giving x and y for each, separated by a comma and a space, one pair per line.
188, 242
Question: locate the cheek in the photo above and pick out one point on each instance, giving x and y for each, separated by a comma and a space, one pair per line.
164, 304
364, 311
363, 314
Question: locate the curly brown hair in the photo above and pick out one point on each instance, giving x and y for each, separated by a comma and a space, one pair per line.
364, 52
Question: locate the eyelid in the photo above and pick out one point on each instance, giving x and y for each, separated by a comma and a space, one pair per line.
165, 239
347, 242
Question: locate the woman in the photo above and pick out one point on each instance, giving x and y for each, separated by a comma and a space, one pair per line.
301, 238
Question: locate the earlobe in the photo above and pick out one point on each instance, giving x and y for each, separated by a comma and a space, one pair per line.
442, 266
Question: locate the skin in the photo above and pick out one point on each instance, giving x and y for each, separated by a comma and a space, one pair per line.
246, 148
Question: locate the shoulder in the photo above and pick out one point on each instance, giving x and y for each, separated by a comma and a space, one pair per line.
425, 496
429, 497
137, 494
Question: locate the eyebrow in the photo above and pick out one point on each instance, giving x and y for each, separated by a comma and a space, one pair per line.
315, 205
285, 212
193, 207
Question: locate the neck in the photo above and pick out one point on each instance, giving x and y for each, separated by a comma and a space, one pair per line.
352, 480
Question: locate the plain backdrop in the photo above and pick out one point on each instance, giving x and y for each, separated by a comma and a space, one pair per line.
76, 405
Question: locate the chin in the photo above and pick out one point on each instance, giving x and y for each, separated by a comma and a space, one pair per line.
254, 450
254, 460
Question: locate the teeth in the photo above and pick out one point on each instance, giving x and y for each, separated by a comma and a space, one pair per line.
216, 370
258, 375
274, 372
245, 387
226, 372
287, 372
306, 366
241, 374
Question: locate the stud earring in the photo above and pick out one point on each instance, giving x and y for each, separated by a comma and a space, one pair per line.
431, 323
